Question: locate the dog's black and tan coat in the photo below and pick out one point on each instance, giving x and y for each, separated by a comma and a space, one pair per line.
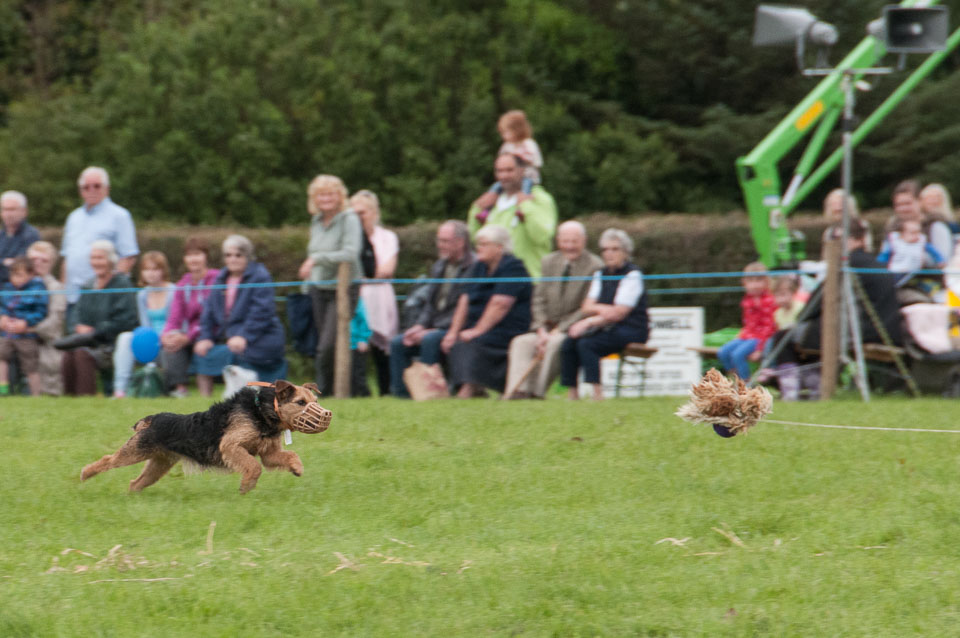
230, 435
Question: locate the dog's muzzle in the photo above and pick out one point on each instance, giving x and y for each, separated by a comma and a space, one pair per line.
312, 419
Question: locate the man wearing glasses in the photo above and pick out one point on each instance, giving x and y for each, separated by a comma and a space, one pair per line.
422, 339
98, 218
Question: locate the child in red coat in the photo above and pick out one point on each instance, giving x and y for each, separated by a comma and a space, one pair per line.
758, 306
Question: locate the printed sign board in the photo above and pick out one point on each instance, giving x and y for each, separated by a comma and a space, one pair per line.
672, 370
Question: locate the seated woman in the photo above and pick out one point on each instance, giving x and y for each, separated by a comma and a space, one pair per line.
488, 316
43, 256
833, 214
936, 203
240, 325
183, 321
99, 319
615, 314
152, 308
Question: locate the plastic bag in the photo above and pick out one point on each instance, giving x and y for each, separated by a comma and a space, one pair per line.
147, 383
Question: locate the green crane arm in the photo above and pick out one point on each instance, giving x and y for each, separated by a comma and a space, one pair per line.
767, 205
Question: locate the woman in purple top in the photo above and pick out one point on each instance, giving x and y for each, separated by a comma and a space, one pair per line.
183, 322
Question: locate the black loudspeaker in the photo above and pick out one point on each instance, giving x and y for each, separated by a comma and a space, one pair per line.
915, 30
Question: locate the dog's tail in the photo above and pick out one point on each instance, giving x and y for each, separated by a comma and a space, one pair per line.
142, 424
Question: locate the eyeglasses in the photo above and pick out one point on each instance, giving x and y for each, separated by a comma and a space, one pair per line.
91, 187
605, 249
225, 255
36, 258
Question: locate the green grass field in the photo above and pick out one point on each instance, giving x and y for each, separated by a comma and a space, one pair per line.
483, 518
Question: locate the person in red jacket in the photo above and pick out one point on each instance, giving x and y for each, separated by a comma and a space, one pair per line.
758, 306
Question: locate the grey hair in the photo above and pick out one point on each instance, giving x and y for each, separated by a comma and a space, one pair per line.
496, 234
241, 243
619, 236
460, 230
572, 223
94, 170
106, 246
17, 196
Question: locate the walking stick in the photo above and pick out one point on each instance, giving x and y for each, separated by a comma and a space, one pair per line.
526, 373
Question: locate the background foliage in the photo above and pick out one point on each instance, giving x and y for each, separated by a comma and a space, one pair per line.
220, 112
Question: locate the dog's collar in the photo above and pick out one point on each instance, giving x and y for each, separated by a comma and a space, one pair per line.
256, 397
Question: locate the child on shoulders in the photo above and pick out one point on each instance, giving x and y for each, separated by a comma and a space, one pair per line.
518, 140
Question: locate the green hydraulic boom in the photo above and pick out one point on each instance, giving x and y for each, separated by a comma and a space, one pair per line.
767, 205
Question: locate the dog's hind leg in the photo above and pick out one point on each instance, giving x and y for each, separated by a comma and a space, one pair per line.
152, 472
239, 460
128, 454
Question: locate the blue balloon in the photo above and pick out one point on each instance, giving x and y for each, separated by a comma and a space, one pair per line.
145, 344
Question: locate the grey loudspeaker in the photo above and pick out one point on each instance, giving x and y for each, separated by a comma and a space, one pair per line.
911, 30
777, 24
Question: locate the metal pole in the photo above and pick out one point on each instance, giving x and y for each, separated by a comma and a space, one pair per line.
854, 326
849, 322
846, 182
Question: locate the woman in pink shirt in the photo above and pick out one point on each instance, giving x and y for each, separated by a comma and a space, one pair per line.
183, 322
379, 300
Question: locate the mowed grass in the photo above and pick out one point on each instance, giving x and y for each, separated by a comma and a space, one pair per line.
484, 518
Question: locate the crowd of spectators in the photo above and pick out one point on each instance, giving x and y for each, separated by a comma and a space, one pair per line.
918, 240
479, 315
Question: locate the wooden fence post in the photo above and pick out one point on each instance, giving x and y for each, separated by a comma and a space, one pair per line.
341, 375
830, 322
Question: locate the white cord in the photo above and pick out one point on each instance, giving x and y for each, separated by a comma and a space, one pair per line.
858, 427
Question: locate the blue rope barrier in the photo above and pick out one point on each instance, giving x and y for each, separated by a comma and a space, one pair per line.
467, 280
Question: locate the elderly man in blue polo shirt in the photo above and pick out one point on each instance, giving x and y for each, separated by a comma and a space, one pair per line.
98, 218
16, 234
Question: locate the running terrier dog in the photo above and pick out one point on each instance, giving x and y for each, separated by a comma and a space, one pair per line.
227, 436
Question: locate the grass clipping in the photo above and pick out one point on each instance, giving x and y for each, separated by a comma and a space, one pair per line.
727, 402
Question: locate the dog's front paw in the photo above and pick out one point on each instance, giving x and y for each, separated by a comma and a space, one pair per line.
294, 464
246, 486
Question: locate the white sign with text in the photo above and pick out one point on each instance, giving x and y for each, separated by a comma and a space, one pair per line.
672, 370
